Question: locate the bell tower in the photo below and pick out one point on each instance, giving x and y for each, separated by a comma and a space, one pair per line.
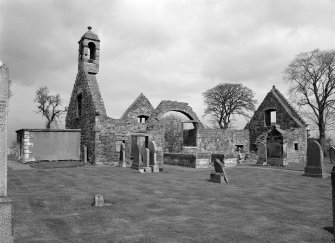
89, 52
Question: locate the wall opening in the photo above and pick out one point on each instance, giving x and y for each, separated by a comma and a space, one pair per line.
79, 104
296, 146
190, 133
142, 119
270, 117
92, 48
239, 148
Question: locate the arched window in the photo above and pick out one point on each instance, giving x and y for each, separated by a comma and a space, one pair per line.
91, 46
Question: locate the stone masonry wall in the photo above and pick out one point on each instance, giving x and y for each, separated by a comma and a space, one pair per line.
87, 121
223, 141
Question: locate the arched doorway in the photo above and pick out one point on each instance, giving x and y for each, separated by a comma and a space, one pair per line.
275, 148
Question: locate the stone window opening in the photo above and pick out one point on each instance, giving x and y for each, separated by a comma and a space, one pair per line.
190, 131
270, 117
239, 148
296, 146
142, 119
91, 47
79, 105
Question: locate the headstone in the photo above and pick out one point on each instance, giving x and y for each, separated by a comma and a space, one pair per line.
85, 154
219, 175
98, 200
153, 156
262, 154
137, 160
332, 154
145, 154
314, 165
6, 230
333, 196
123, 155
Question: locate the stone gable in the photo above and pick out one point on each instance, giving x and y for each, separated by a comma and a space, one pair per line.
140, 107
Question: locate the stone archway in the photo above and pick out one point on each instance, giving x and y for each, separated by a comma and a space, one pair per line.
168, 105
275, 148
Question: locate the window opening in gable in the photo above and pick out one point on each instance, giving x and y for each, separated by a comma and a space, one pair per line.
270, 117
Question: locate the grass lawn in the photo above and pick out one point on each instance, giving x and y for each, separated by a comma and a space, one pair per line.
177, 205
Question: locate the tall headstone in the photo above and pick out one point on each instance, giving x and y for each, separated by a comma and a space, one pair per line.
333, 197
314, 165
6, 231
153, 156
332, 154
145, 154
262, 154
123, 155
137, 160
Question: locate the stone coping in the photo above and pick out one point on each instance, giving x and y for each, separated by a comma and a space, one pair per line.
48, 130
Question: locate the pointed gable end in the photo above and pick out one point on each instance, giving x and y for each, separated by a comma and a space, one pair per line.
283, 115
140, 107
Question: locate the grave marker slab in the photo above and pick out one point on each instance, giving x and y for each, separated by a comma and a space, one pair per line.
153, 156
123, 155
6, 229
262, 154
219, 175
332, 154
314, 165
98, 200
137, 160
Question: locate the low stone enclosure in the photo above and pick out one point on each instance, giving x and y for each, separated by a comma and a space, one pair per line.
275, 135
48, 144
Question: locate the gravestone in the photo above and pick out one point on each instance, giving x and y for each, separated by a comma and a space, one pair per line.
314, 165
123, 155
153, 156
262, 154
333, 196
98, 200
219, 175
332, 154
145, 154
137, 159
6, 230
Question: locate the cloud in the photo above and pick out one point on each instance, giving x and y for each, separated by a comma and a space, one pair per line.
167, 49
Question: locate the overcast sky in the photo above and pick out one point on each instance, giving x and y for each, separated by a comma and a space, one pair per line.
172, 49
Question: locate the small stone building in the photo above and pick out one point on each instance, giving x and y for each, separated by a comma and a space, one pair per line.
278, 135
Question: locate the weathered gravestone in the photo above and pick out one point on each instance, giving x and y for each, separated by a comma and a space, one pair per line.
137, 160
153, 156
145, 155
219, 175
262, 154
332, 154
314, 165
333, 197
123, 155
6, 230
98, 200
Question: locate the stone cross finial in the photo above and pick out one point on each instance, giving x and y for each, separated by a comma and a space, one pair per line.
89, 27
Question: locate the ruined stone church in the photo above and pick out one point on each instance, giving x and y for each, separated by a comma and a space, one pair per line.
275, 141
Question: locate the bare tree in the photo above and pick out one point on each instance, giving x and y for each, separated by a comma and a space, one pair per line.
312, 79
49, 105
226, 100
173, 133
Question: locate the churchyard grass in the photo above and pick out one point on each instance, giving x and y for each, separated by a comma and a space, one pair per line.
177, 205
